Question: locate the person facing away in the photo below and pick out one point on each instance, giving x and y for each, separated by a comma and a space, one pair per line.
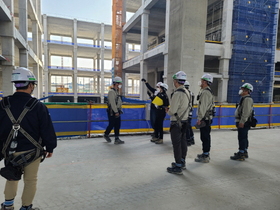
152, 95
242, 114
32, 137
163, 100
189, 132
179, 112
114, 111
204, 116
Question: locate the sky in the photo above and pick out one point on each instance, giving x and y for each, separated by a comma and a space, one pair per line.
99, 11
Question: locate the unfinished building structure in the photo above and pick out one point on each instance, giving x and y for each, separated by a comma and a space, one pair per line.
236, 41
20, 41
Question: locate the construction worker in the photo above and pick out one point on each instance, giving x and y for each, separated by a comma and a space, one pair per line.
152, 95
114, 111
160, 102
26, 134
179, 112
204, 116
242, 114
189, 133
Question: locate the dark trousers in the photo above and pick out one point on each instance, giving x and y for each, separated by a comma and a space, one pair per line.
243, 137
205, 136
153, 117
160, 115
179, 142
189, 131
113, 123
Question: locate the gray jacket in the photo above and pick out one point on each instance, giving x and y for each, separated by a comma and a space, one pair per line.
180, 102
114, 101
244, 110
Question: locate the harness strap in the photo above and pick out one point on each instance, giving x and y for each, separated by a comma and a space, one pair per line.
181, 117
16, 127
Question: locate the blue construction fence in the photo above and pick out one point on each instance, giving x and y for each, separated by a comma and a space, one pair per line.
80, 119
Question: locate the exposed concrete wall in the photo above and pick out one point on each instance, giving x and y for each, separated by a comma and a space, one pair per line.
186, 40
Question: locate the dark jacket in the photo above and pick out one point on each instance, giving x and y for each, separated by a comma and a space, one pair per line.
36, 122
165, 100
153, 90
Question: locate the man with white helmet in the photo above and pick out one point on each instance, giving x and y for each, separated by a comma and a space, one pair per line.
161, 101
189, 133
179, 112
153, 108
26, 136
204, 116
114, 111
242, 114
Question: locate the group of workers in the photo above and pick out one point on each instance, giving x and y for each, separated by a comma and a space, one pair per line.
179, 107
27, 134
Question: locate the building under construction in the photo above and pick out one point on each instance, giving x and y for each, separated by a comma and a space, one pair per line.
236, 41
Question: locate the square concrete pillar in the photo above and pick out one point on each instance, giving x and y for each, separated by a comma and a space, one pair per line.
186, 43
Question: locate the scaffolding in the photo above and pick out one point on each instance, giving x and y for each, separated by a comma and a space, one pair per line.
117, 25
254, 42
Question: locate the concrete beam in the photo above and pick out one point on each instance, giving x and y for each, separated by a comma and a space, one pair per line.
133, 20
5, 13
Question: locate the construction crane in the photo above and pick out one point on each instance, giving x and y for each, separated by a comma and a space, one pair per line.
117, 25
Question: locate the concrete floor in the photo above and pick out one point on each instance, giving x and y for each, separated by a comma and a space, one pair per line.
91, 174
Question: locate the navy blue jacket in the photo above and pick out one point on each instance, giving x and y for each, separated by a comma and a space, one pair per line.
36, 122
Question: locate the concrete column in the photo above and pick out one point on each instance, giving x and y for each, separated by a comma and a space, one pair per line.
36, 72
98, 81
23, 20
46, 57
224, 60
165, 69
144, 31
186, 43
143, 74
167, 23
35, 37
144, 47
98, 84
102, 63
124, 48
75, 62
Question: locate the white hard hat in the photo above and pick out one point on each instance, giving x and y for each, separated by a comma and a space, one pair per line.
248, 86
180, 75
158, 84
165, 86
22, 74
117, 80
186, 83
207, 77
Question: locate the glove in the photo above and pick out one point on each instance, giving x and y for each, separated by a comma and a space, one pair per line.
143, 80
149, 94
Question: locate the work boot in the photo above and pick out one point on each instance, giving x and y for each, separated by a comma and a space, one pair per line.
159, 141
28, 208
238, 156
118, 141
202, 158
154, 139
183, 167
107, 138
245, 154
175, 170
3, 207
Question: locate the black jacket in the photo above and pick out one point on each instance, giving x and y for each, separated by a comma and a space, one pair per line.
165, 100
153, 90
36, 122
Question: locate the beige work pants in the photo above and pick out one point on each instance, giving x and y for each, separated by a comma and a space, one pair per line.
30, 184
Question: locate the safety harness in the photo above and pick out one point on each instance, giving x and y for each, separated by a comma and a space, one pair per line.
29, 156
179, 119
